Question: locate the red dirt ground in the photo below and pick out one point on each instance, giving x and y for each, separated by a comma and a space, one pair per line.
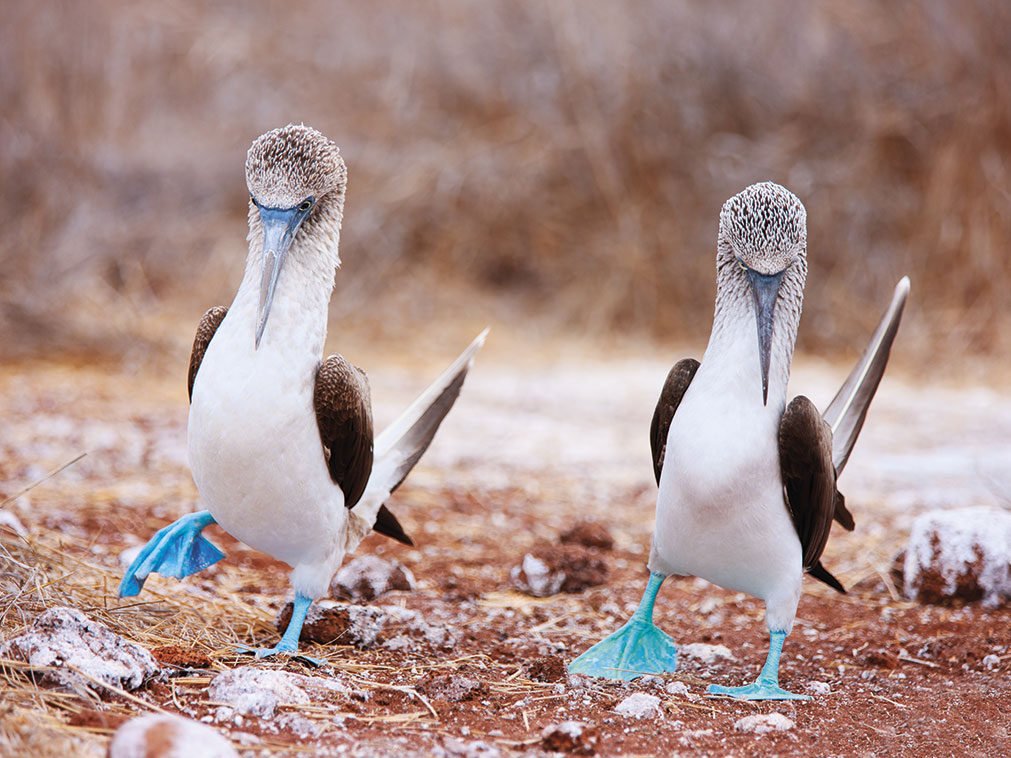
905, 679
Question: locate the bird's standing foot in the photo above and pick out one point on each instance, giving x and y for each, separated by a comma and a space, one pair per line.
757, 690
270, 652
637, 649
176, 550
289, 640
766, 687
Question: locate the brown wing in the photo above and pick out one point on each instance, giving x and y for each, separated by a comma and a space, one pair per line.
205, 333
344, 416
670, 398
805, 460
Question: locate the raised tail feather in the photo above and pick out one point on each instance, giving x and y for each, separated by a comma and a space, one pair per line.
846, 413
402, 443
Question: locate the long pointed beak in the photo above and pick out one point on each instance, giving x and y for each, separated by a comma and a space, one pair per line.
765, 288
279, 227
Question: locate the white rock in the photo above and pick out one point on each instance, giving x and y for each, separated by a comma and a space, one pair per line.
65, 637
639, 705
990, 662
760, 723
369, 576
704, 653
438, 635
535, 577
819, 688
569, 737
9, 519
127, 556
572, 729
454, 748
678, 688
166, 736
300, 726
688, 737
965, 546
250, 691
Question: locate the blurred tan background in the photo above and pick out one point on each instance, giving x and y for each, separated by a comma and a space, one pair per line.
549, 168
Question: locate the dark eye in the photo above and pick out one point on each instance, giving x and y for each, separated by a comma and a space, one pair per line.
305, 206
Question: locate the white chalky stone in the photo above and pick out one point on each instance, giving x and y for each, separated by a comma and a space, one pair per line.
165, 736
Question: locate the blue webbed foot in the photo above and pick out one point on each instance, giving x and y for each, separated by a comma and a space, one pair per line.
766, 687
176, 550
289, 640
637, 649
757, 690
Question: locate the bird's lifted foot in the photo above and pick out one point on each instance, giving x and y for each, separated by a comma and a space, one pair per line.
176, 550
637, 649
766, 687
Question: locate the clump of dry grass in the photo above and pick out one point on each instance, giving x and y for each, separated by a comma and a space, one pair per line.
568, 159
41, 573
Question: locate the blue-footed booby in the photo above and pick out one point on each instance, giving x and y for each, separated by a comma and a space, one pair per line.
747, 483
280, 443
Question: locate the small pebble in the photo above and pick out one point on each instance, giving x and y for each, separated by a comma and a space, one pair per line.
678, 688
760, 723
573, 737
819, 688
639, 705
707, 654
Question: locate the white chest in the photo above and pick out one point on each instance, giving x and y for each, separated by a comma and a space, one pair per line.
721, 513
254, 445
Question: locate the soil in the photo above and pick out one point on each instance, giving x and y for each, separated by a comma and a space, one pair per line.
887, 676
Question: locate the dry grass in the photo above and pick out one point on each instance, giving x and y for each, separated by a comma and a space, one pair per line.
564, 161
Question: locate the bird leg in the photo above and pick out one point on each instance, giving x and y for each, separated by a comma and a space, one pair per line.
175, 550
766, 687
289, 640
638, 648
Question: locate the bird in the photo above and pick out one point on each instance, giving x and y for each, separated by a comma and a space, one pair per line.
280, 440
747, 483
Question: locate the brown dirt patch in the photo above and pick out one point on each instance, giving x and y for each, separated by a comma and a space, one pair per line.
589, 534
175, 655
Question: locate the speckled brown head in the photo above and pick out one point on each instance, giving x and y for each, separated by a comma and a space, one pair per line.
762, 249
296, 179
286, 166
764, 227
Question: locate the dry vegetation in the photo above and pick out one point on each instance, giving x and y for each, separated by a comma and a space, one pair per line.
566, 160
555, 170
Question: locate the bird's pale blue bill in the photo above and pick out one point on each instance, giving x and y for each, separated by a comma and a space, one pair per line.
765, 289
279, 228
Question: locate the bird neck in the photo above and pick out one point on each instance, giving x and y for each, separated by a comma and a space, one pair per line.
298, 317
733, 343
